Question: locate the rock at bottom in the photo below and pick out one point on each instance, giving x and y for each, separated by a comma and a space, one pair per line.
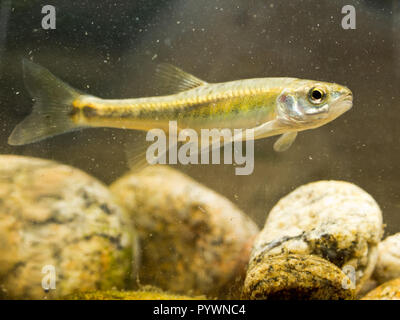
388, 291
59, 230
191, 238
388, 264
296, 277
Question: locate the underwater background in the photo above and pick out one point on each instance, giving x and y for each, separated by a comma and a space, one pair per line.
111, 48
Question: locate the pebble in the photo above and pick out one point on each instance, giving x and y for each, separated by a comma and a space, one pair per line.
295, 277
192, 239
335, 220
388, 265
60, 231
388, 291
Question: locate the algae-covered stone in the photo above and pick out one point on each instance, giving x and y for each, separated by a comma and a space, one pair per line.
388, 291
58, 220
192, 239
335, 220
388, 264
141, 294
295, 276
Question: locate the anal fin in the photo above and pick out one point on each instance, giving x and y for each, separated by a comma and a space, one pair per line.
136, 152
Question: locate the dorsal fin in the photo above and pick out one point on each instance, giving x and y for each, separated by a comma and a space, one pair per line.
176, 80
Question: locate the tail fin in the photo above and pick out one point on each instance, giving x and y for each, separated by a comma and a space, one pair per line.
51, 112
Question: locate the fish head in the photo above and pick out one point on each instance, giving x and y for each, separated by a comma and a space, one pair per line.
307, 104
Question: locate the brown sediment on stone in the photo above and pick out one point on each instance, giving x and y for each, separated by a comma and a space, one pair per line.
298, 277
192, 239
388, 291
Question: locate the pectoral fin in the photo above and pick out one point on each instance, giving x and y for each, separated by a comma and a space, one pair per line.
267, 129
285, 141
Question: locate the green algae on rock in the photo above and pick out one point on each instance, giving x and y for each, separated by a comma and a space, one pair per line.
388, 264
145, 293
192, 239
56, 215
388, 291
295, 276
335, 220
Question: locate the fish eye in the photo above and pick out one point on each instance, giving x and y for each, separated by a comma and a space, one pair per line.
316, 95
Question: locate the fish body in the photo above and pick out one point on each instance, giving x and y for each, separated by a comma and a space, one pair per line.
235, 104
270, 106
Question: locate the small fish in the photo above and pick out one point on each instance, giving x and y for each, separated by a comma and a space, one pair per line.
270, 106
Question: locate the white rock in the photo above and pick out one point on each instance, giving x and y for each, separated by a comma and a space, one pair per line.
333, 219
388, 264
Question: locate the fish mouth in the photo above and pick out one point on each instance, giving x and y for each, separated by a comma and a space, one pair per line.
341, 105
345, 102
